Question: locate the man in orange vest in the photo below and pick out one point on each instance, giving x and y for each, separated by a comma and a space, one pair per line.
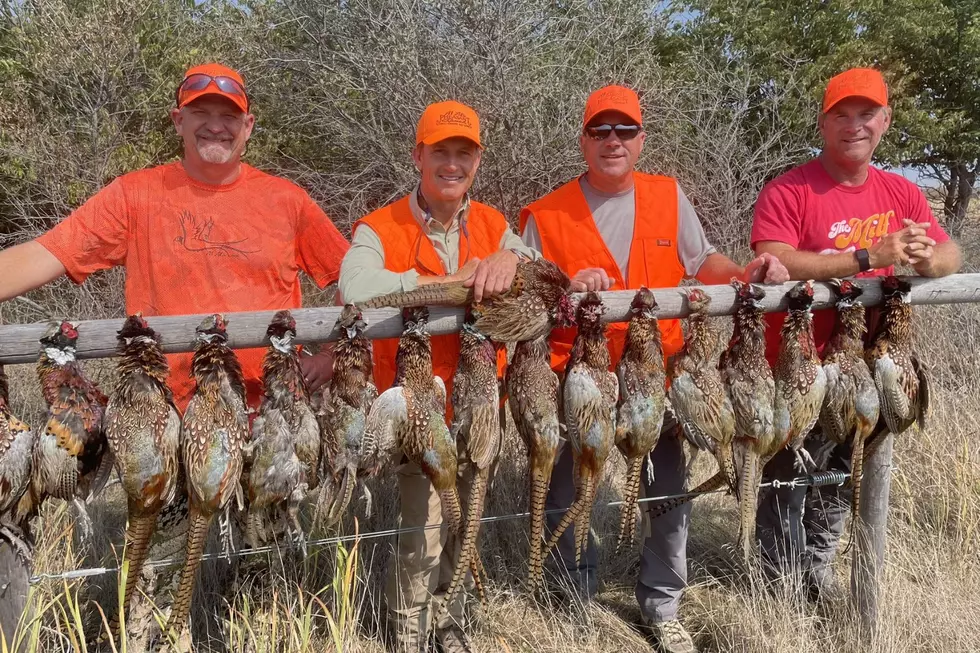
617, 228
432, 235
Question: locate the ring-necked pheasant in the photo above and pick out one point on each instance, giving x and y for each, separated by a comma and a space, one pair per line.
16, 456
589, 394
143, 428
751, 389
476, 429
642, 395
215, 432
850, 409
344, 414
71, 457
284, 453
532, 392
412, 413
901, 380
800, 378
538, 300
697, 395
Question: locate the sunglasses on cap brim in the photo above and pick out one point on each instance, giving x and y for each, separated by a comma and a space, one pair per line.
200, 81
602, 132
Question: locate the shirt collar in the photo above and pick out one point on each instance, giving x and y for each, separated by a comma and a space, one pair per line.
424, 217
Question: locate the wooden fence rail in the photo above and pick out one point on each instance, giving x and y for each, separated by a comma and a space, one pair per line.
97, 338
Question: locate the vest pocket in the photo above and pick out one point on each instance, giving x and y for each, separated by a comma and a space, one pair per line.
661, 266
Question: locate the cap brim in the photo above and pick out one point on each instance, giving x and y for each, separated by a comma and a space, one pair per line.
864, 96
238, 100
442, 134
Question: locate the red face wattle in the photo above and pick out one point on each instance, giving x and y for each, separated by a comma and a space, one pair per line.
68, 330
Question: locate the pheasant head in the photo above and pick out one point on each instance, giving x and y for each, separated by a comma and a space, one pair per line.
847, 292
62, 336
896, 288
213, 328
748, 294
555, 289
800, 296
281, 331
644, 304
135, 327
589, 313
351, 321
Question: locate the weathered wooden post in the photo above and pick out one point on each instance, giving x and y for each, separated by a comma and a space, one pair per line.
14, 585
870, 533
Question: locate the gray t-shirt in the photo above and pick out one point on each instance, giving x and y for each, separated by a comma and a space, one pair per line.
614, 216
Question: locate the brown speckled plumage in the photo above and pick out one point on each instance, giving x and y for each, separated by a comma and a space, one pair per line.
539, 299
143, 429
16, 461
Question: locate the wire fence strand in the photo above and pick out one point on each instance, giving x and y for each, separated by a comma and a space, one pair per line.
811, 480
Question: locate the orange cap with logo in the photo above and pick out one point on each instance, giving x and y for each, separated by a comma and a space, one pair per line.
856, 82
223, 81
613, 98
443, 120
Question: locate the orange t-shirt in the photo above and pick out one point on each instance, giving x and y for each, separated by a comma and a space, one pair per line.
193, 248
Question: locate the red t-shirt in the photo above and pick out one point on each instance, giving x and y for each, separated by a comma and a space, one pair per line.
193, 248
809, 211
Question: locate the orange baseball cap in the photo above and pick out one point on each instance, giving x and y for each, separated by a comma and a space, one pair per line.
443, 120
212, 79
856, 82
613, 98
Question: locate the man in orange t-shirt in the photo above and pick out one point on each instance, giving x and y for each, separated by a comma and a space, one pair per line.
204, 234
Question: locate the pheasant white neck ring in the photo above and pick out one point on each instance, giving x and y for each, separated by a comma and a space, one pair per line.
60, 356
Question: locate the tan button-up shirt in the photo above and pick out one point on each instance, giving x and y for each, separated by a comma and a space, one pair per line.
363, 275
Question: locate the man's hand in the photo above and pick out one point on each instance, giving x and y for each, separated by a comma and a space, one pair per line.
766, 268
909, 245
318, 368
591, 279
493, 275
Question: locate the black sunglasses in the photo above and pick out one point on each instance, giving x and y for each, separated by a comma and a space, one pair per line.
602, 132
200, 81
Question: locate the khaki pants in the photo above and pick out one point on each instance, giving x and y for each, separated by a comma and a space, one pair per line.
424, 565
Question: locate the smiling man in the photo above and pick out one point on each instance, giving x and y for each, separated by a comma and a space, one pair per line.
836, 216
434, 234
208, 233
614, 227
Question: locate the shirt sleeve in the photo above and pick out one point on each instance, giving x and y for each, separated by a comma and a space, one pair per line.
320, 247
94, 237
511, 240
920, 211
692, 245
363, 275
531, 237
778, 215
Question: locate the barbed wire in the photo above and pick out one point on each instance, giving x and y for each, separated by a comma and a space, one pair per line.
810, 480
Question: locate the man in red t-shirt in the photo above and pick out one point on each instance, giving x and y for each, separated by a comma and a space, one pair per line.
204, 234
837, 216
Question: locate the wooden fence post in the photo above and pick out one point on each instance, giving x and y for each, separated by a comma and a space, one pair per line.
14, 585
870, 533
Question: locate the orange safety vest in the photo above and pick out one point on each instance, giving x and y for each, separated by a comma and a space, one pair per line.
570, 238
399, 233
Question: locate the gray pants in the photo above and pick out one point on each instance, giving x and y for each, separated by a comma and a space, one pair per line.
663, 558
799, 528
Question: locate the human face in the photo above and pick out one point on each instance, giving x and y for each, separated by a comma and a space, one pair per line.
214, 130
611, 159
852, 129
447, 168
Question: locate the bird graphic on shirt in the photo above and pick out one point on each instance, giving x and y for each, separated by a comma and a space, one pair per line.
199, 240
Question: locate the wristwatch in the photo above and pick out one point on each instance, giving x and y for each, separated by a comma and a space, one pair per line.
863, 259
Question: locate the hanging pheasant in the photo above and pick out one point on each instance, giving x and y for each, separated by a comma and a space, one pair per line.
344, 414
143, 428
539, 299
642, 395
476, 429
589, 393
850, 410
800, 378
697, 395
284, 453
532, 389
412, 415
71, 457
16, 451
215, 433
900, 377
751, 389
